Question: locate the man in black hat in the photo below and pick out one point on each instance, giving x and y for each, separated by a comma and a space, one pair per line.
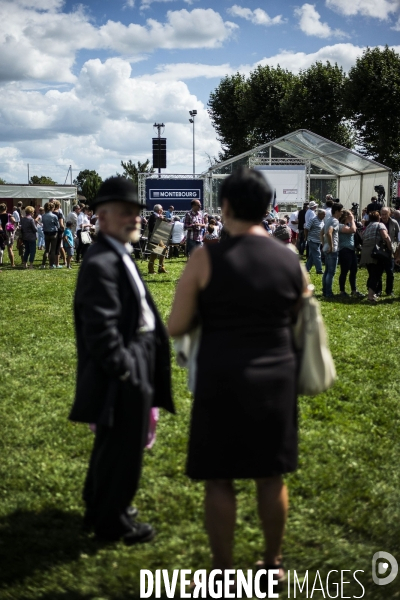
123, 365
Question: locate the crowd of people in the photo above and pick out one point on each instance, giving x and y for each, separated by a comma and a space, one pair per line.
332, 236
29, 228
328, 236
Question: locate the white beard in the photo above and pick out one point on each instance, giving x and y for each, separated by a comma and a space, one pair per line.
135, 235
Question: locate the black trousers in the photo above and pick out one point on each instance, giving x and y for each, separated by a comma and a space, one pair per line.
81, 248
50, 242
374, 276
388, 269
116, 461
348, 263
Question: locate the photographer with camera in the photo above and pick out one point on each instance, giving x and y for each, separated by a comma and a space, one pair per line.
374, 205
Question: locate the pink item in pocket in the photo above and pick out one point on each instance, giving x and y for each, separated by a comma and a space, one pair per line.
151, 436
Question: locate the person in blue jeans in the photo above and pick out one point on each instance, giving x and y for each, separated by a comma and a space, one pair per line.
330, 237
347, 254
313, 235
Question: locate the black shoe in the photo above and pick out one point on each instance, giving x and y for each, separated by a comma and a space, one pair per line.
138, 533
88, 519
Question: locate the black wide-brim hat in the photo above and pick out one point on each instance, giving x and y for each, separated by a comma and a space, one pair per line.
117, 189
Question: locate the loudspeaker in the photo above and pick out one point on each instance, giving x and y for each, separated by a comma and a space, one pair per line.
160, 153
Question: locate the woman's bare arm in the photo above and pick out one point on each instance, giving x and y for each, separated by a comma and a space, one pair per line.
184, 308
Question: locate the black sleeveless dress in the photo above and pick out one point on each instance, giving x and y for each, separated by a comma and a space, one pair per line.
244, 417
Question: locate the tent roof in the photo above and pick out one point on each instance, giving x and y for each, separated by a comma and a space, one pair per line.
12, 190
321, 152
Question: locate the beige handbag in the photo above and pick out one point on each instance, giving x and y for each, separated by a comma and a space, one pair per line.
86, 238
317, 371
186, 349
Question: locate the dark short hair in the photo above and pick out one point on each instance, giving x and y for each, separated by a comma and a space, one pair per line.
69, 223
248, 194
374, 216
329, 202
336, 206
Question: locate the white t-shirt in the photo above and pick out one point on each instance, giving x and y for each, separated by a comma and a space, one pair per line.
293, 217
177, 233
83, 219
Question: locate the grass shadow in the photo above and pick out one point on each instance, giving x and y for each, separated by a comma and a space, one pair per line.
36, 541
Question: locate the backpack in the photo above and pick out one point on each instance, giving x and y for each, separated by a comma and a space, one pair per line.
9, 226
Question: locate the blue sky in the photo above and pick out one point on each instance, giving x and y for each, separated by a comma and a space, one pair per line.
82, 84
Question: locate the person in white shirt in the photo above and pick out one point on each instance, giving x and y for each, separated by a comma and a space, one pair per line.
310, 214
178, 235
82, 225
293, 224
328, 206
72, 217
17, 217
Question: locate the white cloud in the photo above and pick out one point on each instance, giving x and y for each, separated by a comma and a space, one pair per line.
42, 44
107, 116
257, 16
345, 55
199, 28
380, 9
129, 4
184, 71
310, 23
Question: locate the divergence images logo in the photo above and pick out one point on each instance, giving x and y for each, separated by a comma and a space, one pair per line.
383, 560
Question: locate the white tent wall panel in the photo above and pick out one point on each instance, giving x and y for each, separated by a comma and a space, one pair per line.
368, 183
349, 188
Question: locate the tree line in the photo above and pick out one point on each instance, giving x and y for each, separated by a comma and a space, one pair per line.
358, 110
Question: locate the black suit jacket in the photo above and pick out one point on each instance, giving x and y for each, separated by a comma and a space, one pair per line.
106, 308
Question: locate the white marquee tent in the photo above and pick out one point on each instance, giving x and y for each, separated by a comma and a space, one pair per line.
322, 165
39, 194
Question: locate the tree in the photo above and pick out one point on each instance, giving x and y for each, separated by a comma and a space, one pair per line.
262, 103
81, 178
372, 96
3, 181
91, 186
316, 102
42, 180
271, 102
131, 170
227, 116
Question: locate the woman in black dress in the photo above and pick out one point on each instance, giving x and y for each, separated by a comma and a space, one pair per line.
246, 292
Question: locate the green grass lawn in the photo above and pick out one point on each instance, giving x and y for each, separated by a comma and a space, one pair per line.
344, 498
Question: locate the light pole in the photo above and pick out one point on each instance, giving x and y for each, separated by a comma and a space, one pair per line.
193, 113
